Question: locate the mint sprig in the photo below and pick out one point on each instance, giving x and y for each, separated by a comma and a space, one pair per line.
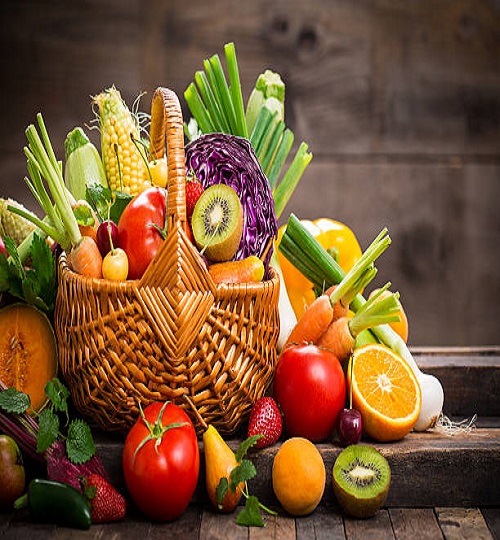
79, 442
13, 401
251, 515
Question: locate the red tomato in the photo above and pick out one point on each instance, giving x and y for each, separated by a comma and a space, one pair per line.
310, 388
161, 461
139, 229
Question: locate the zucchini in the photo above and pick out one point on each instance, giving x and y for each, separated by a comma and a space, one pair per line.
83, 164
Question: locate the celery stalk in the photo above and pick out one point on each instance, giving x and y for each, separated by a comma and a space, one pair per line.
286, 187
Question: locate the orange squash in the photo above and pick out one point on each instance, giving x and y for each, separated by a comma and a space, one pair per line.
28, 351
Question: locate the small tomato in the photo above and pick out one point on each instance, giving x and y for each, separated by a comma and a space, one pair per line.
115, 265
310, 388
159, 172
161, 461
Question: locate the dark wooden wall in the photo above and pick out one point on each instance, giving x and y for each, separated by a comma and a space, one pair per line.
399, 102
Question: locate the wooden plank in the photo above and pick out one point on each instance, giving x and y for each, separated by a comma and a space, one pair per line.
463, 524
216, 526
280, 527
428, 460
408, 523
455, 368
362, 78
492, 518
432, 461
322, 524
379, 526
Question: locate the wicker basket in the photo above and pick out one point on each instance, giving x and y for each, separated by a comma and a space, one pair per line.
172, 333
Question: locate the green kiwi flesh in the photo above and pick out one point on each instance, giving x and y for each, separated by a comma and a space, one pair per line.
217, 222
361, 477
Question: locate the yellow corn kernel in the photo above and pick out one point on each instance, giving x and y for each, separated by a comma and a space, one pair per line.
124, 161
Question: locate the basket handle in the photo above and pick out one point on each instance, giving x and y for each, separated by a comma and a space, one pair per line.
164, 271
167, 132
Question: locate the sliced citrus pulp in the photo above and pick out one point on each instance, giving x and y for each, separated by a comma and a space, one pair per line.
386, 392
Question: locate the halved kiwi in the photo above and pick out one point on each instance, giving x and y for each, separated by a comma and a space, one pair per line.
361, 477
217, 222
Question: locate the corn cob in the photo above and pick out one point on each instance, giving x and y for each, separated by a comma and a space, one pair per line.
123, 160
12, 225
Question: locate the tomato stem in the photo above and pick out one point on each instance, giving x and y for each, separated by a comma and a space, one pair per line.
156, 430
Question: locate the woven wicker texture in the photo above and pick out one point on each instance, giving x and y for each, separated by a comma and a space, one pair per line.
171, 333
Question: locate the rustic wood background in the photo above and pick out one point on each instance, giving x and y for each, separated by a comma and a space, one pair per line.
399, 102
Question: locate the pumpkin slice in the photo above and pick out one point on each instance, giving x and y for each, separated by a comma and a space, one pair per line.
28, 351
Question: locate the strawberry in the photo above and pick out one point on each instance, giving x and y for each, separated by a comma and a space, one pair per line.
193, 192
106, 504
265, 419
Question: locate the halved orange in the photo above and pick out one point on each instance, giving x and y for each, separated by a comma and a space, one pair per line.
386, 392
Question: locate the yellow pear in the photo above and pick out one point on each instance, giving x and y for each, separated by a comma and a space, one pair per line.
220, 460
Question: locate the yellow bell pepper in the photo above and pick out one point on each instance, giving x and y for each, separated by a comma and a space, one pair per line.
336, 238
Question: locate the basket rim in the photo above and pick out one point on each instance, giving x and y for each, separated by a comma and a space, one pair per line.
100, 284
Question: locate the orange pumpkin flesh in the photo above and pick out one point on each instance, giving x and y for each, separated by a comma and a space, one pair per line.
28, 351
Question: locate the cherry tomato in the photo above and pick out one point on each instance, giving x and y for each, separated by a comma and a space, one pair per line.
140, 229
115, 265
310, 388
159, 171
161, 461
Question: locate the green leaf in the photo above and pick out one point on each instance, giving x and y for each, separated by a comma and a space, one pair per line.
48, 430
37, 285
221, 490
120, 202
104, 201
241, 473
58, 395
14, 256
250, 516
100, 198
80, 445
245, 446
13, 401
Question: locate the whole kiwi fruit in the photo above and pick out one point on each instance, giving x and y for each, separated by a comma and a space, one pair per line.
361, 477
217, 222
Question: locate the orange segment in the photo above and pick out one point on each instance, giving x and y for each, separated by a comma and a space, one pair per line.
385, 391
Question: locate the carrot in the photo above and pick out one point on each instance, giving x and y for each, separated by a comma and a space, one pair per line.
341, 307
340, 336
338, 339
85, 258
313, 322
